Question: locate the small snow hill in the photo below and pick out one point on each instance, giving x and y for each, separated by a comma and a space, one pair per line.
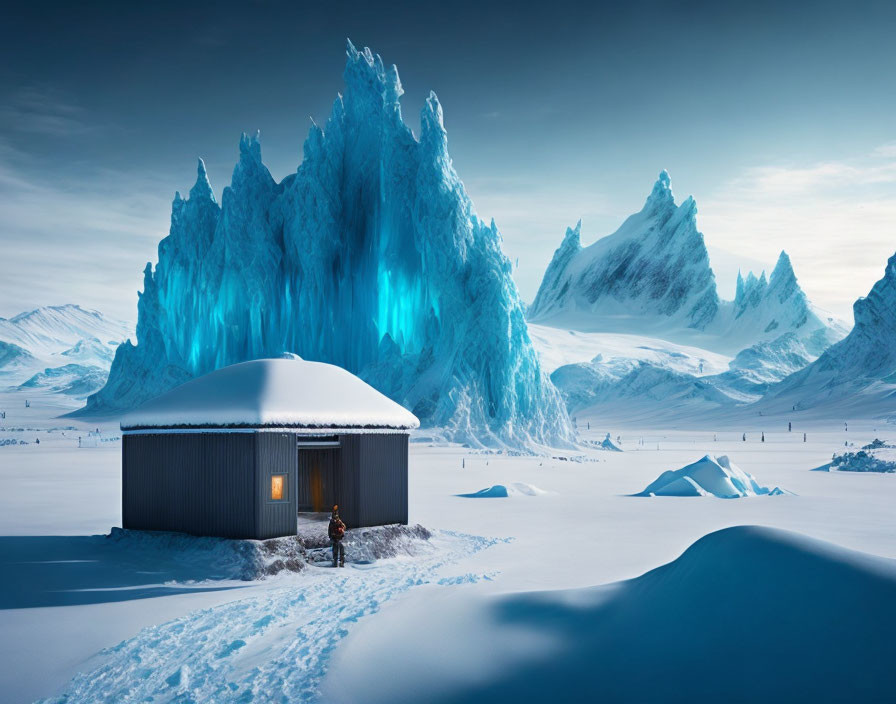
746, 614
709, 476
871, 458
500, 491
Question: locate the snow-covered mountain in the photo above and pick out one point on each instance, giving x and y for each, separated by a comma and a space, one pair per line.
13, 357
764, 309
64, 348
54, 329
653, 277
370, 257
654, 268
859, 372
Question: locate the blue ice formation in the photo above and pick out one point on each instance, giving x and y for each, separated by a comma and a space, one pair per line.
370, 257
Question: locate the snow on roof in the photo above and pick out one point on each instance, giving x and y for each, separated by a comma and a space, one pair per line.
273, 393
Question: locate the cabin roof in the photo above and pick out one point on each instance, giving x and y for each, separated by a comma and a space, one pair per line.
273, 393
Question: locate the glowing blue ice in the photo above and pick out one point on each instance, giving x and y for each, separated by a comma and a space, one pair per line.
370, 257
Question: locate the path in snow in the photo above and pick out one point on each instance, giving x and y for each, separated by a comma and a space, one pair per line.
271, 647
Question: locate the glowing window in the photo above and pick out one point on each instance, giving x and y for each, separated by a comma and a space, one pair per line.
278, 487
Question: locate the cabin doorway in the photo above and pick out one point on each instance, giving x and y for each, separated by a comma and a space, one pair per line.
317, 479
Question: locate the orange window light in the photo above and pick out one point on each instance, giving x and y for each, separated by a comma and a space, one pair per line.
277, 485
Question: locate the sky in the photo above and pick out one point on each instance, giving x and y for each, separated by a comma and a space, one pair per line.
779, 118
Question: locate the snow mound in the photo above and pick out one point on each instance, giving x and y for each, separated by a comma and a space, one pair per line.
879, 458
500, 491
273, 392
222, 558
608, 444
709, 476
816, 619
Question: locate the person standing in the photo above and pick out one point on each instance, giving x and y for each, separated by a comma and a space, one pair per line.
336, 531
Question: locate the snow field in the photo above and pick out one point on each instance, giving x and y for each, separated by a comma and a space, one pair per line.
585, 530
745, 614
274, 645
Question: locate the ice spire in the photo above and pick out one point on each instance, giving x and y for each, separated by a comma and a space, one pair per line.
432, 127
556, 271
573, 238
370, 257
783, 271
661, 196
202, 188
783, 283
250, 148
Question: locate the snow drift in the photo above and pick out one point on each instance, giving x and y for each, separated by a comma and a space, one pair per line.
868, 459
709, 476
369, 257
128, 564
500, 491
813, 623
608, 444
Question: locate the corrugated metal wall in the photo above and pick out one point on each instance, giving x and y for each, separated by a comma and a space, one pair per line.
219, 483
202, 483
383, 474
275, 454
347, 480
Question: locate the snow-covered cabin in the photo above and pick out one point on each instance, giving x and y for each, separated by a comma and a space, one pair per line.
240, 452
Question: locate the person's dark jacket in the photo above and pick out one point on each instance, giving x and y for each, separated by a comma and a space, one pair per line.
336, 530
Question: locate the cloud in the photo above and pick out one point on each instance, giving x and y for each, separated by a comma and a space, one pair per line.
83, 240
43, 110
886, 150
837, 220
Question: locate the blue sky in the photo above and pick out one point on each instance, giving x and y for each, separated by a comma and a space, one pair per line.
781, 121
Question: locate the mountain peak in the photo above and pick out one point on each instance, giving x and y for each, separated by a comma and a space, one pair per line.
368, 80
202, 188
783, 269
250, 170
783, 280
661, 196
432, 126
573, 237
250, 148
